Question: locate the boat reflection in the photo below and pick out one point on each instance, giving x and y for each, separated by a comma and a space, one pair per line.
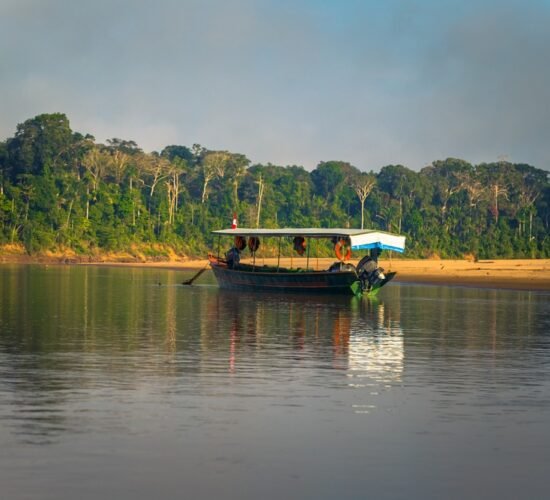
360, 336
376, 347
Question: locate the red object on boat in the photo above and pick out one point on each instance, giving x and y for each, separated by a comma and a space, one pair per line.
234, 222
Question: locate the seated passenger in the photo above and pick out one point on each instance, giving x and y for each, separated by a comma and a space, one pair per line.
233, 257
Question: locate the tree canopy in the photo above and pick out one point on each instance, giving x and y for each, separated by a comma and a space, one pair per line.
60, 188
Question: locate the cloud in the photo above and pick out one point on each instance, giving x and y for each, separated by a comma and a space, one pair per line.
290, 82
491, 84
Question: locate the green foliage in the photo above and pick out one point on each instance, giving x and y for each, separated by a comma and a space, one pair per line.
61, 188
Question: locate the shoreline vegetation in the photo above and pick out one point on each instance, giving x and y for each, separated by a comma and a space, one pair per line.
518, 274
60, 188
67, 199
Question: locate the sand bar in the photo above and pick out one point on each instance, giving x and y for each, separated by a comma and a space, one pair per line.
517, 274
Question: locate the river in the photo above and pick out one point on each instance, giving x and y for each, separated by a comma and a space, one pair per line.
121, 383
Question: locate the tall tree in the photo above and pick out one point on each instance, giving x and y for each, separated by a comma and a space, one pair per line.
214, 164
400, 183
236, 170
529, 187
38, 142
494, 176
446, 178
173, 187
363, 185
3, 165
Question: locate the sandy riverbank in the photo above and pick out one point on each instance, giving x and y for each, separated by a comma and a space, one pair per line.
521, 274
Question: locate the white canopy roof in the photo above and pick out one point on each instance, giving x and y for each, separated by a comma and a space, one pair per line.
361, 239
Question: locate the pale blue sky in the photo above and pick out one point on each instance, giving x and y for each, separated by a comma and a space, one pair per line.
288, 82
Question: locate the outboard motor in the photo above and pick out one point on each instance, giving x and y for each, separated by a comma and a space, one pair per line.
369, 273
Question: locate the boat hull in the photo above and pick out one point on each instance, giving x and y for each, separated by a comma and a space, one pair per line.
296, 282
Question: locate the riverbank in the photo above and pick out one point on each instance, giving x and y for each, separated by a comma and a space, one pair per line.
518, 274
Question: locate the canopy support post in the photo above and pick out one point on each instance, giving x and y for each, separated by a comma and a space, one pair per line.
317, 253
279, 255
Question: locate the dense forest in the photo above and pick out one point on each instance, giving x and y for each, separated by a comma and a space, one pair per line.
62, 189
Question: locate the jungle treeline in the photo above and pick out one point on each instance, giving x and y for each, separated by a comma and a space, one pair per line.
62, 189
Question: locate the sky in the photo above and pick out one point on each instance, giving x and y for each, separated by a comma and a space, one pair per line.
291, 82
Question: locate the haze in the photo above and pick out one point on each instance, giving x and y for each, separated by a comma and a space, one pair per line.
288, 81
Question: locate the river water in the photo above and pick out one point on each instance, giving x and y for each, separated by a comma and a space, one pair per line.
121, 383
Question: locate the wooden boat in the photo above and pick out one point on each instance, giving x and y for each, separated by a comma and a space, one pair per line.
341, 277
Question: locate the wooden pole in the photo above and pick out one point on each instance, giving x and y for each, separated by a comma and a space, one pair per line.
279, 255
190, 281
317, 253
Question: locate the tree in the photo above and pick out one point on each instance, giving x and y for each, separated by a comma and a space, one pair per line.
529, 187
473, 186
181, 152
446, 178
118, 164
399, 182
3, 166
261, 186
494, 176
177, 168
214, 164
96, 162
38, 142
59, 187
124, 146
363, 185
155, 169
236, 170
329, 177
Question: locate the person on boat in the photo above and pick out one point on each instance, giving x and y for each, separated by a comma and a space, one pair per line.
233, 257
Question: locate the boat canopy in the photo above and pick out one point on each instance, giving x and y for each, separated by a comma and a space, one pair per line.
361, 239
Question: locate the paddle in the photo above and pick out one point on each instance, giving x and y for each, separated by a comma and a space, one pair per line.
190, 281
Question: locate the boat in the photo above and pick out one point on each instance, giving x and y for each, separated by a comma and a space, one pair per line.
342, 277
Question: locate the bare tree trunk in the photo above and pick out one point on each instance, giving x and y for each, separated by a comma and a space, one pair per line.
496, 203
362, 187
235, 193
204, 186
87, 203
260, 195
400, 213
69, 214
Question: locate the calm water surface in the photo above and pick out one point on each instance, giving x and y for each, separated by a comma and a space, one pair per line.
113, 386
